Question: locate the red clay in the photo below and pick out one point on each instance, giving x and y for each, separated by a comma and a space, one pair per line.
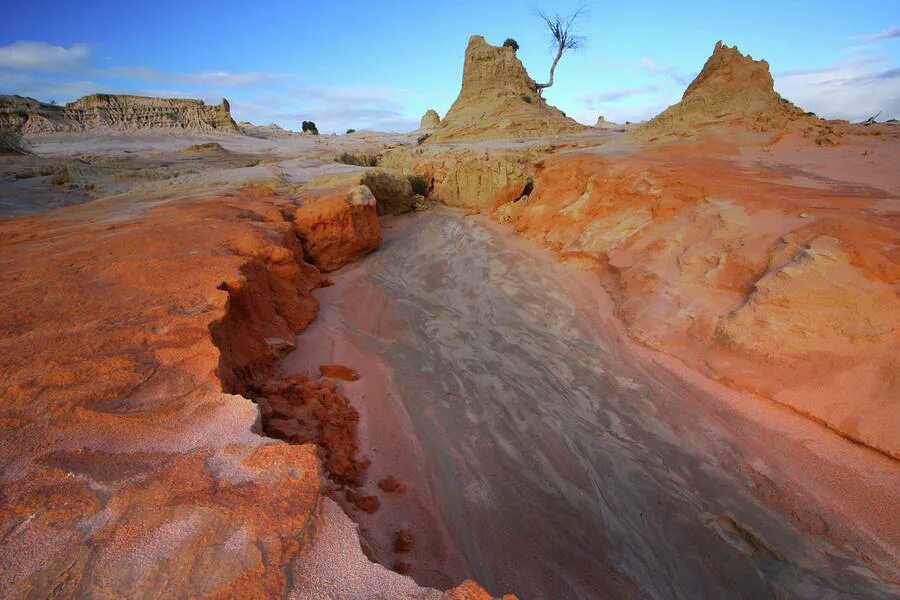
338, 372
390, 485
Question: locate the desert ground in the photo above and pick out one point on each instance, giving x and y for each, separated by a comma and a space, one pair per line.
504, 354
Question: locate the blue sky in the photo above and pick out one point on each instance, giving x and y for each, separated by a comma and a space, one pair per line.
381, 65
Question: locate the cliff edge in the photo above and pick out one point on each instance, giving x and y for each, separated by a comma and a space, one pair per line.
115, 112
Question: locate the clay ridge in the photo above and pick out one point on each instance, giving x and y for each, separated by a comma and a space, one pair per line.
115, 112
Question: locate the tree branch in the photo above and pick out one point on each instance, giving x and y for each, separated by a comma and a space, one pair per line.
562, 38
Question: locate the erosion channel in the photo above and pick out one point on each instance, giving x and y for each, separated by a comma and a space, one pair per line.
546, 455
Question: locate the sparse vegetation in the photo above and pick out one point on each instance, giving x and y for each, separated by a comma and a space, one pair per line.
784, 100
349, 131
419, 186
421, 139
358, 159
207, 147
11, 142
526, 98
310, 127
511, 43
61, 176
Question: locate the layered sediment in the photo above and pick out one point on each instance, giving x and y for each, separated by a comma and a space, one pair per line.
115, 112
771, 286
112, 402
464, 177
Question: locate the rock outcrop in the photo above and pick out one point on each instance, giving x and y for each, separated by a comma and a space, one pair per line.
131, 467
338, 228
765, 284
393, 192
602, 123
127, 470
115, 112
464, 177
270, 131
430, 120
732, 90
498, 100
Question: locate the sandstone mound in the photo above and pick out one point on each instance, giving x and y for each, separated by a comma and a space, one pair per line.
602, 123
266, 132
498, 100
430, 120
732, 89
207, 148
112, 112
393, 192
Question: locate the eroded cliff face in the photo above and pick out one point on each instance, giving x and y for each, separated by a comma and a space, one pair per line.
498, 100
115, 112
127, 470
338, 228
465, 177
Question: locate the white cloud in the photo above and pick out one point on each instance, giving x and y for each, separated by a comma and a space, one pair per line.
40, 56
48, 88
225, 79
663, 86
46, 72
332, 108
616, 94
654, 68
893, 32
43, 57
234, 80
651, 66
618, 113
853, 90
860, 48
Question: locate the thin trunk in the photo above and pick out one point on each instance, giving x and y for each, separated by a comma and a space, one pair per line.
559, 54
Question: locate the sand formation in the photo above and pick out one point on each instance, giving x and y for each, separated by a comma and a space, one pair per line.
731, 90
498, 100
602, 123
430, 120
263, 131
115, 112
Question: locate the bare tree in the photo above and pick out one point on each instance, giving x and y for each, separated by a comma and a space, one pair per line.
563, 37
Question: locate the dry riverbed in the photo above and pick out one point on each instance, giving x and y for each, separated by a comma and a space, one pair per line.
545, 454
